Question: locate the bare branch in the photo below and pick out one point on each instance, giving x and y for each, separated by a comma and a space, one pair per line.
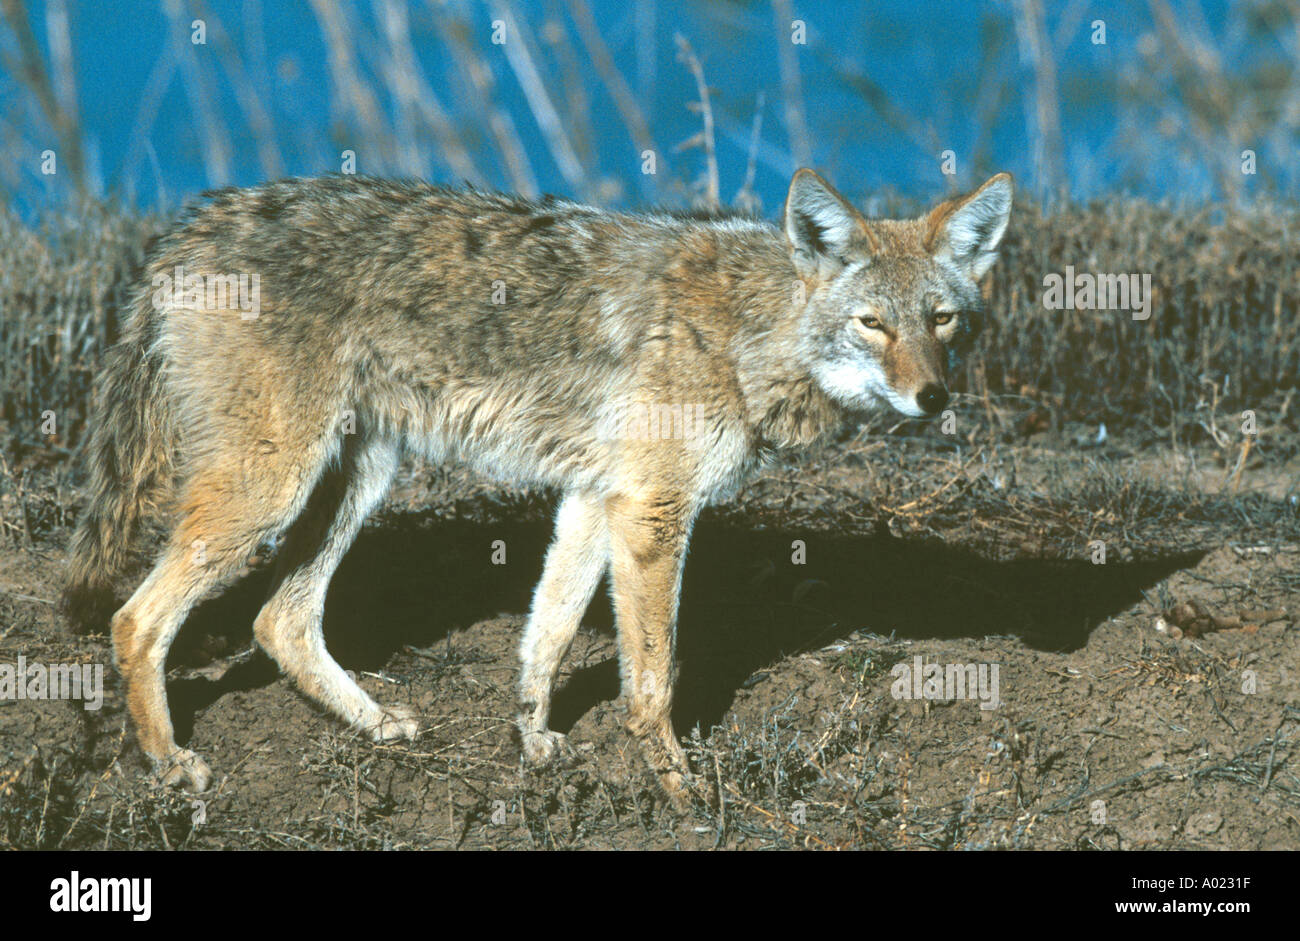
624, 100
705, 139
796, 125
37, 79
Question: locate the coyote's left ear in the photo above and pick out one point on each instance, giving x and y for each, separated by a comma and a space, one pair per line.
968, 229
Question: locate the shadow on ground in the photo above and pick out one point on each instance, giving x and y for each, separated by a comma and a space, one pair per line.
744, 605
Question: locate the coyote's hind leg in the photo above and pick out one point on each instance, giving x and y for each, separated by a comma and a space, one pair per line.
223, 517
289, 624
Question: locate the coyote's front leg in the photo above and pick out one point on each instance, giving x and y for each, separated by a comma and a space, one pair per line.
648, 538
575, 562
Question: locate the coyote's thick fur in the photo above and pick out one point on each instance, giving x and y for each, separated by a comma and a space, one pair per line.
641, 365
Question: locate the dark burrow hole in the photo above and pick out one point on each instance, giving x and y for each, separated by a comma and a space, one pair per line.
744, 604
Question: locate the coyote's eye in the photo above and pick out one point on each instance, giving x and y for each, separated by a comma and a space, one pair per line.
942, 317
871, 323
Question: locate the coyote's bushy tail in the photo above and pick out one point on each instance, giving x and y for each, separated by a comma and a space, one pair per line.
131, 459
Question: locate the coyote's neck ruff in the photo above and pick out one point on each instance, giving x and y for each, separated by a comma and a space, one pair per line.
640, 364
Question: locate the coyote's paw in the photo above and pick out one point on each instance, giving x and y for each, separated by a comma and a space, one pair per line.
546, 747
185, 770
684, 790
393, 723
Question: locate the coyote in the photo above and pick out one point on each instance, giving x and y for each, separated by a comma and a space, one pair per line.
542, 342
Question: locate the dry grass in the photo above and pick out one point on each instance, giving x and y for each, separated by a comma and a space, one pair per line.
62, 286
1223, 335
1223, 331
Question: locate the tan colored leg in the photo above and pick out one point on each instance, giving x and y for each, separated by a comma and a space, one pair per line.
289, 624
143, 631
575, 562
648, 539
222, 521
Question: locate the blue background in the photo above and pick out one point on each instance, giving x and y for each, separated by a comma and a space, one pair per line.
886, 88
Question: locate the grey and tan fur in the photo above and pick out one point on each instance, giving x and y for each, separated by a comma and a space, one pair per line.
400, 317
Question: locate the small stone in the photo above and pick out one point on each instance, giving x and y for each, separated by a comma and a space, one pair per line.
1200, 825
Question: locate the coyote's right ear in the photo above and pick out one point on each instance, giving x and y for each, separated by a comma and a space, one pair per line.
823, 228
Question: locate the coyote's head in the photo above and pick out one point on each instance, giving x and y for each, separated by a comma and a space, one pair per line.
892, 306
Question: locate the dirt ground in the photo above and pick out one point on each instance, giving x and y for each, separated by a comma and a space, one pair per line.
1147, 702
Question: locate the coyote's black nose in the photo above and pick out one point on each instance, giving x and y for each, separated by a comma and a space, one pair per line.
931, 398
